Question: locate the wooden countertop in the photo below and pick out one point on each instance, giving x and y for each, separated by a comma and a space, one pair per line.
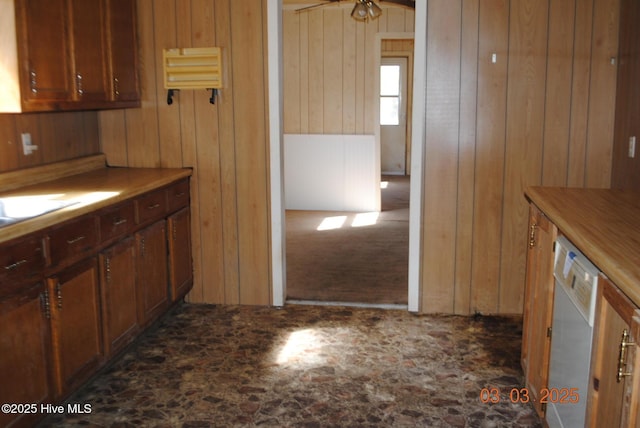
92, 187
604, 224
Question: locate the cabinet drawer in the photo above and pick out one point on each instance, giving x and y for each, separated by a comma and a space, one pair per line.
20, 262
151, 206
178, 195
117, 221
73, 239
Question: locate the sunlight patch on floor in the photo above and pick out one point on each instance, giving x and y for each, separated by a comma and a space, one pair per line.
330, 223
359, 220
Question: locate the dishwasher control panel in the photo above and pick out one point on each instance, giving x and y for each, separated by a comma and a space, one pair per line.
578, 276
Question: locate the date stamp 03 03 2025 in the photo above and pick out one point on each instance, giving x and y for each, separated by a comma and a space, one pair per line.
44, 408
521, 395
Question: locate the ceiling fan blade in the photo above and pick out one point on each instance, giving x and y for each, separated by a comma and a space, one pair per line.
406, 3
317, 5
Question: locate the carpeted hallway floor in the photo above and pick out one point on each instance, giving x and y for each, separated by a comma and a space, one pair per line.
309, 366
359, 258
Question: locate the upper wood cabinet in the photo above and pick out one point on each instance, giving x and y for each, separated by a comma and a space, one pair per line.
68, 55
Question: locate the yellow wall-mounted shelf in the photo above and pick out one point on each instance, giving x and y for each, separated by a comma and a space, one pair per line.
192, 68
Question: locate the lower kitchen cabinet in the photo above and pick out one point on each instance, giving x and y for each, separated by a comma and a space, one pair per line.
615, 361
119, 296
25, 354
153, 287
538, 307
76, 293
74, 297
180, 263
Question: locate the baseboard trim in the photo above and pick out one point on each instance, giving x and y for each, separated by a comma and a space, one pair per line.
349, 304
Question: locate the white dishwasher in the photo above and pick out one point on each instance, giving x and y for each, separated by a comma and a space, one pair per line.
576, 281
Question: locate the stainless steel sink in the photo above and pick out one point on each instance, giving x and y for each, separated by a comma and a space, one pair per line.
18, 208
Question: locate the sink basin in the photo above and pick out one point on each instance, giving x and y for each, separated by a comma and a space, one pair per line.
17, 208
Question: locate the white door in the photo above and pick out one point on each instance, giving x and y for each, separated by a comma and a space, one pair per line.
393, 115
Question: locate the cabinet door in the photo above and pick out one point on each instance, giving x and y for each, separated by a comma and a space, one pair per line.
88, 46
76, 324
180, 264
611, 358
122, 37
45, 57
538, 311
24, 352
153, 297
119, 300
631, 410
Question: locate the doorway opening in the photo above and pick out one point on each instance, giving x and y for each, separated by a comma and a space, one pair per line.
361, 258
278, 131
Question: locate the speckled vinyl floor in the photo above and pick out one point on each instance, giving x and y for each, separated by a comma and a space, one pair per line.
308, 366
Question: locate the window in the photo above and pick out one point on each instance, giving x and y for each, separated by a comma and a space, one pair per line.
389, 95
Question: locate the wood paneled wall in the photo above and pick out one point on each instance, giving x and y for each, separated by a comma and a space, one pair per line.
225, 144
328, 62
59, 136
626, 170
542, 113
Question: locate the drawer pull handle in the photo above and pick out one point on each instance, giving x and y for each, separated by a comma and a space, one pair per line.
74, 240
153, 207
119, 221
181, 194
15, 265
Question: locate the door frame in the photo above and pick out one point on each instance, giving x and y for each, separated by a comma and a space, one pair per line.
276, 161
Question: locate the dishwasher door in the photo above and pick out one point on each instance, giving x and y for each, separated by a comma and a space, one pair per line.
571, 337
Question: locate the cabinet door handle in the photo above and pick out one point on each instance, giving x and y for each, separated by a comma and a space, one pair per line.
108, 269
59, 295
44, 298
15, 265
116, 87
532, 235
33, 81
74, 240
119, 221
622, 356
79, 84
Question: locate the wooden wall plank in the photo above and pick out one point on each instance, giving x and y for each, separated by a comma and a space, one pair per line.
603, 85
316, 71
580, 92
466, 155
626, 170
523, 154
142, 123
188, 141
332, 68
349, 70
291, 72
9, 143
441, 154
558, 93
251, 152
165, 36
113, 132
228, 209
490, 147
